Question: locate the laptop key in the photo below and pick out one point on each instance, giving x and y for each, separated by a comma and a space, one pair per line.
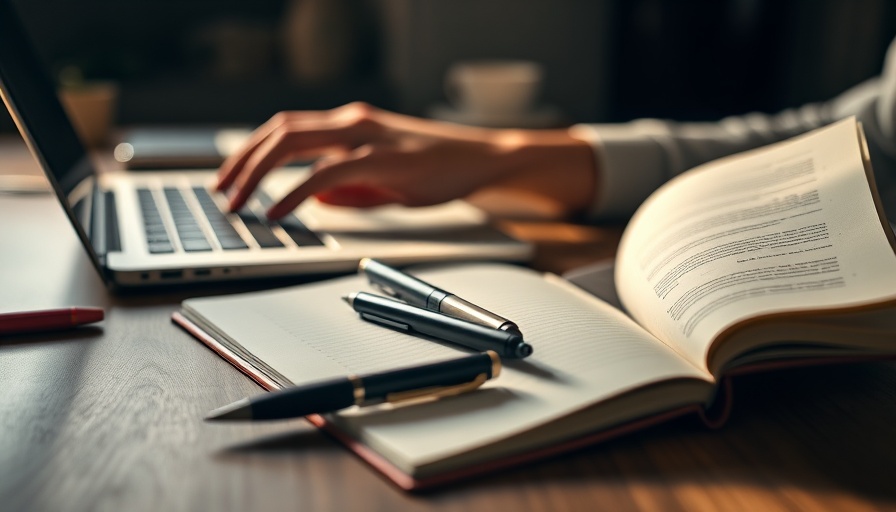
263, 235
300, 234
260, 230
190, 232
157, 239
196, 245
155, 228
160, 247
228, 243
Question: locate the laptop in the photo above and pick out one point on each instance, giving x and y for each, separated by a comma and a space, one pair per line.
150, 228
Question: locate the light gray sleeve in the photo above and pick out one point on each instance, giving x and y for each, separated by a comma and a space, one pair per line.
637, 157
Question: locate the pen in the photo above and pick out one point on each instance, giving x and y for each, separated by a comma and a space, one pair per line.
396, 283
435, 380
404, 317
48, 319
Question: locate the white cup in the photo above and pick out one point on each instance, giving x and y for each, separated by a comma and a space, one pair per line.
494, 87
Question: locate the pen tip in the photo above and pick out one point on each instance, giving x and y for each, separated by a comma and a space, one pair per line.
239, 410
349, 299
523, 350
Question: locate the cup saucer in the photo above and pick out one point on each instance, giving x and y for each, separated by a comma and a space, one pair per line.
539, 117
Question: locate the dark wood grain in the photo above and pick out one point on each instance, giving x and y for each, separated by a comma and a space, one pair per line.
110, 417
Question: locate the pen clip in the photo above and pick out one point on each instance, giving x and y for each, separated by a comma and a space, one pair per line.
436, 392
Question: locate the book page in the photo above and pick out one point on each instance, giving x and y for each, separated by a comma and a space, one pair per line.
584, 351
789, 227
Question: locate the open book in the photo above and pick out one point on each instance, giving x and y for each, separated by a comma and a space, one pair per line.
776, 256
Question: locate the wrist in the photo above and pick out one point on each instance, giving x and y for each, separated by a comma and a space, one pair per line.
551, 163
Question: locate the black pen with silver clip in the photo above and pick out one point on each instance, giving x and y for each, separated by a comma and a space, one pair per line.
400, 285
413, 320
428, 381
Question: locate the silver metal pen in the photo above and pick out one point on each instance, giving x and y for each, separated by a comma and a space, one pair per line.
400, 285
409, 319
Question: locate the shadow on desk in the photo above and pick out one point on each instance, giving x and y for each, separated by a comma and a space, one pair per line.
174, 294
300, 441
74, 335
807, 435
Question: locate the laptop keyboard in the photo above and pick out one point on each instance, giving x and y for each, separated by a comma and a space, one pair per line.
193, 238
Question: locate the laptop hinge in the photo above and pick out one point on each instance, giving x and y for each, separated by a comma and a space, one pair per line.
104, 236
113, 239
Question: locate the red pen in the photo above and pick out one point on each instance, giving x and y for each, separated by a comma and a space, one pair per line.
48, 319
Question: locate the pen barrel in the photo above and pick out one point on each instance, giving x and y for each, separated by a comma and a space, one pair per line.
319, 397
452, 305
468, 334
436, 375
402, 286
47, 320
433, 380
415, 292
401, 316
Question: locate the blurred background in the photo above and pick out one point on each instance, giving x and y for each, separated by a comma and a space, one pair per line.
238, 62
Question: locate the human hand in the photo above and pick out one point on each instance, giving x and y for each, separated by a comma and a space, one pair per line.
369, 157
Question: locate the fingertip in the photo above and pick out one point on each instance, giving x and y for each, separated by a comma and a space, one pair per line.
225, 181
227, 173
283, 207
236, 202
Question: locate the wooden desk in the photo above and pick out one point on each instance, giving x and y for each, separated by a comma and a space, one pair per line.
109, 418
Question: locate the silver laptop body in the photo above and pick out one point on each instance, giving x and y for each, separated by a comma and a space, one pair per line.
150, 228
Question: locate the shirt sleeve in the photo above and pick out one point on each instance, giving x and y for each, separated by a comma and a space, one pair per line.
635, 158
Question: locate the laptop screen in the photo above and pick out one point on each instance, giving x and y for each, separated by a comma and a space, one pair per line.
30, 95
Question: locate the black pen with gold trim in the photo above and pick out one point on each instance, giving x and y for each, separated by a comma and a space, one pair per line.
434, 380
